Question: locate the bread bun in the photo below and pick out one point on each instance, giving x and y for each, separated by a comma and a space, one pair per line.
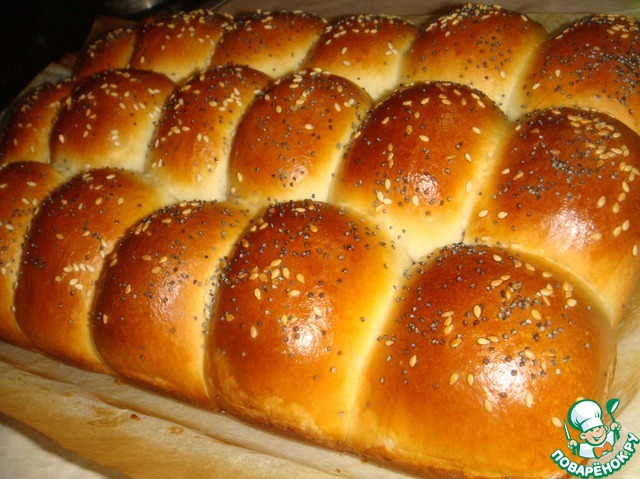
590, 64
479, 360
292, 138
109, 120
563, 189
70, 236
366, 49
299, 307
407, 243
482, 46
275, 43
30, 121
192, 143
111, 51
417, 162
178, 45
23, 186
151, 315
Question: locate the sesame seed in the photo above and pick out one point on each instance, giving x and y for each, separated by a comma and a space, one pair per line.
454, 378
487, 405
556, 421
528, 400
413, 361
253, 331
454, 343
470, 379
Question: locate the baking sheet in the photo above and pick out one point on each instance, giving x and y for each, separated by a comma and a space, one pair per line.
61, 422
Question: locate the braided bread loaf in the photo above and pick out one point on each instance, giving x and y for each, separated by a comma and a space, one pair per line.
377, 236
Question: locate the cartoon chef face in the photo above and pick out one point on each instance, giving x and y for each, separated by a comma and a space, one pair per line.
586, 417
595, 436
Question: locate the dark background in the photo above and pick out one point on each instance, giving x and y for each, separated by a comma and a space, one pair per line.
34, 33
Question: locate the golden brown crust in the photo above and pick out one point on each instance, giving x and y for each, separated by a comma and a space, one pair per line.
275, 43
292, 137
113, 50
27, 133
192, 143
366, 49
417, 162
179, 45
74, 230
151, 316
477, 365
483, 46
23, 186
591, 64
298, 309
563, 189
109, 120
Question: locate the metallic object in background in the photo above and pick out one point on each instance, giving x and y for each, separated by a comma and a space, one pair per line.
127, 8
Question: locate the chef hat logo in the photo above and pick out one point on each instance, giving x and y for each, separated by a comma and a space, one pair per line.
585, 415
